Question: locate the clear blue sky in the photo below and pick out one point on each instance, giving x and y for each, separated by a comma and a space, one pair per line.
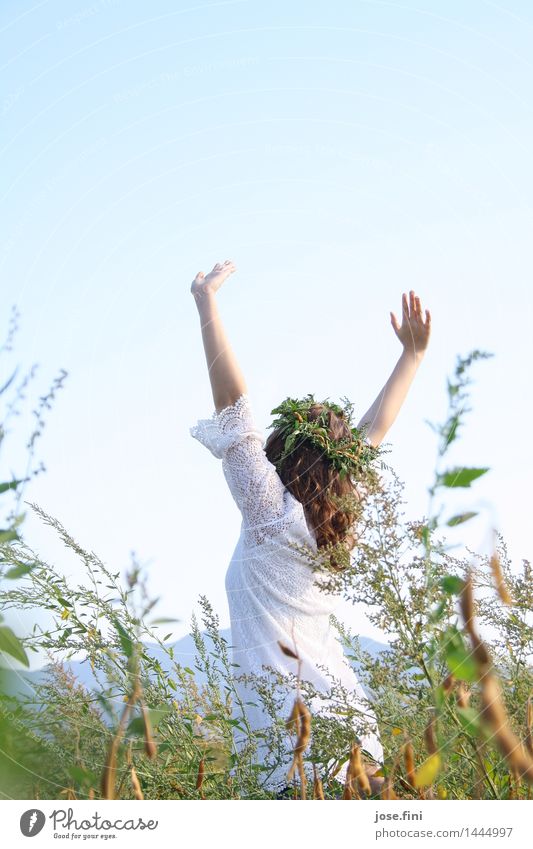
339, 153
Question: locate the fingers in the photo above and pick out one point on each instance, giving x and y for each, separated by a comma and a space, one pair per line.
412, 308
394, 322
226, 266
414, 305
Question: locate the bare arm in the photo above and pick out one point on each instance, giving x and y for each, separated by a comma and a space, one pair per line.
414, 335
227, 380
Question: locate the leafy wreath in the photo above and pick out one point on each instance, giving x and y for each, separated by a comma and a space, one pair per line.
350, 455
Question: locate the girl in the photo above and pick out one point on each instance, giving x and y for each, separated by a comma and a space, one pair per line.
272, 593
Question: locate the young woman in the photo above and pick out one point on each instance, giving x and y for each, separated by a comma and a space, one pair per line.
272, 592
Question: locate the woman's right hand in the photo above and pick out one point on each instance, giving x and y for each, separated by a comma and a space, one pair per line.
214, 280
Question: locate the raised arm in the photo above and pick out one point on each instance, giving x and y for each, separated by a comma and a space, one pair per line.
414, 335
227, 381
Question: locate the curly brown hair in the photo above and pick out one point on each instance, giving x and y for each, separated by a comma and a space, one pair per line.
327, 499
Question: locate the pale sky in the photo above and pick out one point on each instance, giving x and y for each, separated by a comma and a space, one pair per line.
339, 157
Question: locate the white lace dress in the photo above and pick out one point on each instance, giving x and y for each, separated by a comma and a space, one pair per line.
271, 587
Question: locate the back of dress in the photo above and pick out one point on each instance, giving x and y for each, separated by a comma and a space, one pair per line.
271, 587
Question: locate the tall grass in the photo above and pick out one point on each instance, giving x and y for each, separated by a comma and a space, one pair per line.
455, 712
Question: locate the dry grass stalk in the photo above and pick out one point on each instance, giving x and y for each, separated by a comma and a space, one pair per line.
448, 683
493, 712
355, 775
409, 763
136, 784
336, 769
201, 774
511, 747
359, 770
287, 651
431, 746
514, 783
110, 766
318, 789
463, 694
429, 734
150, 746
300, 721
529, 725
499, 580
350, 790
69, 793
387, 791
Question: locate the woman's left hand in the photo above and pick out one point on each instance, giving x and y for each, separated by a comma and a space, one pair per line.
414, 331
214, 280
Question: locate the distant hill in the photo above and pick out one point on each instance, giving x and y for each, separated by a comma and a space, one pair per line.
184, 654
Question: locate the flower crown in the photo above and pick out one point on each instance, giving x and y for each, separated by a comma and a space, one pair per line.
349, 454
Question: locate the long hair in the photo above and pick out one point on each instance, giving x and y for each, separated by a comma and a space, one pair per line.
316, 484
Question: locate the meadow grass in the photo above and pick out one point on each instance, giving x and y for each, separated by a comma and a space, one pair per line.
455, 711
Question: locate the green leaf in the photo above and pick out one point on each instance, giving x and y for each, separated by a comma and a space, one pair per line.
9, 485
428, 771
10, 644
19, 570
439, 697
452, 637
450, 429
461, 663
136, 726
438, 612
163, 619
452, 584
460, 518
83, 776
469, 719
8, 535
126, 641
459, 476
453, 388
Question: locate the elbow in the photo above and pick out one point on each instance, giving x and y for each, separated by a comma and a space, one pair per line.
375, 437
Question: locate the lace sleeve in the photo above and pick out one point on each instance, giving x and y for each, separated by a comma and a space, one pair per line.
233, 436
